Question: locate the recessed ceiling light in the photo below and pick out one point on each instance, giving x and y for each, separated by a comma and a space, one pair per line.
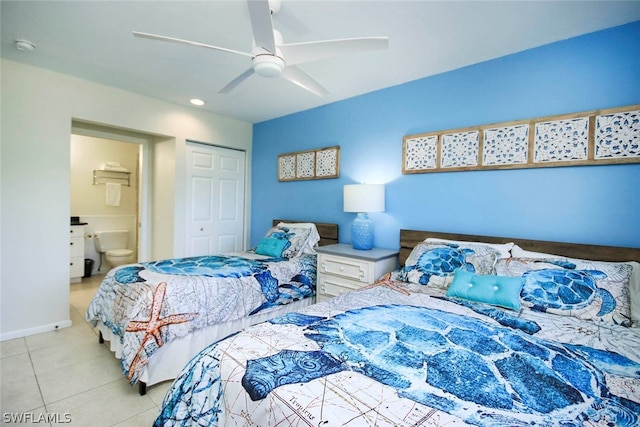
198, 102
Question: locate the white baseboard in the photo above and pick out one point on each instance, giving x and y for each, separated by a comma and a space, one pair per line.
37, 330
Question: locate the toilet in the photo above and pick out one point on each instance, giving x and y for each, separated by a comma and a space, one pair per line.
113, 243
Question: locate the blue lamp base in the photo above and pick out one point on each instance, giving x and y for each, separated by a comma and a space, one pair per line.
362, 232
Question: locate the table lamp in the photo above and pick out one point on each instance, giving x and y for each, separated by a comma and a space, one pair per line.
363, 199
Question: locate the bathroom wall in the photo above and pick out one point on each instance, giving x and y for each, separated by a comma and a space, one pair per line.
88, 200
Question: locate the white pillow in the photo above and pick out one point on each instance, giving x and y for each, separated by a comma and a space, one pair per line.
518, 252
634, 280
314, 236
503, 248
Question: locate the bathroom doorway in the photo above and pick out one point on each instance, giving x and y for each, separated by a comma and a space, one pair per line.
117, 206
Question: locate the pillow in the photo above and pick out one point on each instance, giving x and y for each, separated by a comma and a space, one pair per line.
591, 290
296, 239
518, 252
314, 236
271, 246
502, 291
634, 281
503, 248
434, 263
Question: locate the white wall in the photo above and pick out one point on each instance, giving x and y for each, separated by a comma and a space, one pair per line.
163, 195
91, 153
38, 107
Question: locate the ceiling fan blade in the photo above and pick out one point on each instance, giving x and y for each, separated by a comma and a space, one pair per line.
298, 53
187, 42
235, 82
296, 76
262, 24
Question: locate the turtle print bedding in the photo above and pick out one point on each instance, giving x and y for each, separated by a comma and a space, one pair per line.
403, 354
442, 341
147, 305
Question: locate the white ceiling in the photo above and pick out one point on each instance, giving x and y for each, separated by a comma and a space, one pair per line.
93, 40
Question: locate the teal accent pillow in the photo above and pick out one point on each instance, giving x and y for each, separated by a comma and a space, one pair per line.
502, 291
270, 246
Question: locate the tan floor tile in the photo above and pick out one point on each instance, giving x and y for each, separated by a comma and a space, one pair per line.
157, 392
144, 419
105, 406
75, 335
58, 384
13, 347
16, 368
68, 352
20, 395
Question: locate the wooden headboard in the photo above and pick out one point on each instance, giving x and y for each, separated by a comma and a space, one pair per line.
328, 231
410, 238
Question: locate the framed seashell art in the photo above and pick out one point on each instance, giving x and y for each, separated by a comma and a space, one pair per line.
321, 163
589, 138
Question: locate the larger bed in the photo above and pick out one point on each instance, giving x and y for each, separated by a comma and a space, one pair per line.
158, 315
502, 332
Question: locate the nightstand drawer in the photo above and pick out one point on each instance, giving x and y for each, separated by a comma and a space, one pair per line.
331, 286
349, 268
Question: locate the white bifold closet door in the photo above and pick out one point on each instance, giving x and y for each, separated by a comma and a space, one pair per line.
215, 199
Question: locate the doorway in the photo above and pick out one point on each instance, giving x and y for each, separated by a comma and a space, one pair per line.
94, 148
104, 191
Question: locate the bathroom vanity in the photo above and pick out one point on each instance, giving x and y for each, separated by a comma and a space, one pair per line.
76, 253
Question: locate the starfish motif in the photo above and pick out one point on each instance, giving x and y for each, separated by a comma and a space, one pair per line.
387, 281
152, 326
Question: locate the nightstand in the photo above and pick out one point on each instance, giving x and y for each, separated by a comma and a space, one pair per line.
342, 269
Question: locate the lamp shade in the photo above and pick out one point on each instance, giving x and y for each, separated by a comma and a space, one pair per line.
364, 198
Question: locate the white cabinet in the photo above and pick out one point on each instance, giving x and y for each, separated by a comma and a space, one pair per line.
76, 253
342, 268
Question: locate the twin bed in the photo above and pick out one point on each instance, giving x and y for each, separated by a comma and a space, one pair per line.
502, 332
157, 315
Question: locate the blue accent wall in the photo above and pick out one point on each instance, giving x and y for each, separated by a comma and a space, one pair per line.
582, 204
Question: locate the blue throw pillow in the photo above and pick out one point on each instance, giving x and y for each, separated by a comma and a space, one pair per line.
502, 291
270, 246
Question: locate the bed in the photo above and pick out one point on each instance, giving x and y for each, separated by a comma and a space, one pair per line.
157, 315
461, 334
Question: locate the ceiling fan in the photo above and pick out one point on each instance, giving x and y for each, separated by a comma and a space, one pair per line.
271, 57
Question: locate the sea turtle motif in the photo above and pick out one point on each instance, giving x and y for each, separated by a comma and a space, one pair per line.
441, 261
207, 265
565, 288
484, 374
211, 266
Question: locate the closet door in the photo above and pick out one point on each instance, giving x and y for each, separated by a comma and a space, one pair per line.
215, 199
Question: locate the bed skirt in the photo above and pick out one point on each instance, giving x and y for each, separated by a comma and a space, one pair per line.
167, 362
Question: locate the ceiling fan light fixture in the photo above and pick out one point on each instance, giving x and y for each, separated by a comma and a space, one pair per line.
268, 65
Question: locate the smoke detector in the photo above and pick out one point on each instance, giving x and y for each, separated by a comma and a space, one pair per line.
25, 45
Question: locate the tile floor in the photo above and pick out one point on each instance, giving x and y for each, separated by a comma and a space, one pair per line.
68, 372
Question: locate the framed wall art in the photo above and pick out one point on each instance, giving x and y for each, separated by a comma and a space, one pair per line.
588, 138
321, 163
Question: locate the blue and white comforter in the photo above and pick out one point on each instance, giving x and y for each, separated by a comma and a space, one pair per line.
149, 304
391, 355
